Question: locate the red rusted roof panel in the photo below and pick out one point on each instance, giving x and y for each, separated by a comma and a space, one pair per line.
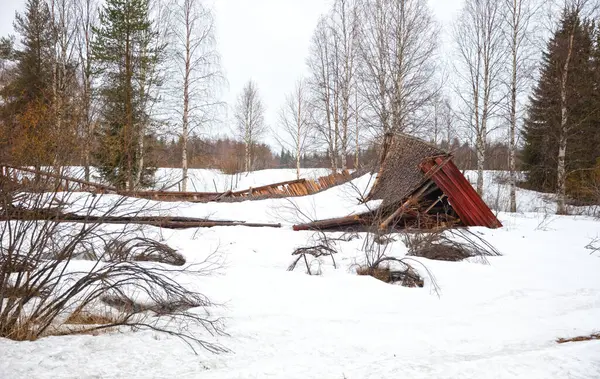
469, 206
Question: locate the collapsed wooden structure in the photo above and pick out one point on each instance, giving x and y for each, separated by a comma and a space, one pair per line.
420, 187
299, 187
291, 188
20, 177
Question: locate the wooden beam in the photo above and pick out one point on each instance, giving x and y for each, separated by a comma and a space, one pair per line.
158, 221
413, 199
329, 223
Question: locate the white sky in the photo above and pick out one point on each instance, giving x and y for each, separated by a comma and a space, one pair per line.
263, 40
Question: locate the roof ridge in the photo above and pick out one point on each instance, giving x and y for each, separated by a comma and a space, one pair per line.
420, 140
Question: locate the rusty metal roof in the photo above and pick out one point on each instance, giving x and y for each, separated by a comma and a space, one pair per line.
465, 201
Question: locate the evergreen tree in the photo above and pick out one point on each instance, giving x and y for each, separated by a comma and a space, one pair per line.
596, 96
125, 53
27, 97
282, 158
543, 123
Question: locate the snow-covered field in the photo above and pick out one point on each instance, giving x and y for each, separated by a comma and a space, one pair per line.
496, 320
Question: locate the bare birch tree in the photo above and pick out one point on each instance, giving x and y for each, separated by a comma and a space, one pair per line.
295, 121
324, 90
398, 46
478, 35
442, 127
345, 33
518, 21
86, 19
198, 71
448, 121
333, 65
249, 114
64, 32
435, 118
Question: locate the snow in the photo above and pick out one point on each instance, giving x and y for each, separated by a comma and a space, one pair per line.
204, 180
496, 320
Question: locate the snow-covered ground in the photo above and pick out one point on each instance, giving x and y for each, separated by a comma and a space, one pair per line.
496, 320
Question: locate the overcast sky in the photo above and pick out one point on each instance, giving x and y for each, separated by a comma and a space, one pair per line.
263, 40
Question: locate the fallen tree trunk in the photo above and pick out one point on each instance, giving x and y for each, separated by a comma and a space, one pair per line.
330, 223
159, 221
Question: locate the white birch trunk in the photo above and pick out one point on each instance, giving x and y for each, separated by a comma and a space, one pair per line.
186, 96
248, 154
561, 179
356, 115
480, 160
299, 136
513, 116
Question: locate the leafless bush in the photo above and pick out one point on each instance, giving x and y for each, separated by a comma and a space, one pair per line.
43, 291
404, 275
321, 244
316, 251
375, 245
141, 249
449, 245
594, 246
379, 264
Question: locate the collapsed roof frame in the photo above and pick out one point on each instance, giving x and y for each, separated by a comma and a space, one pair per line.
290, 188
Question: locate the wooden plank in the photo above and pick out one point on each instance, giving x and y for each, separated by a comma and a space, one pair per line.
413, 199
273, 185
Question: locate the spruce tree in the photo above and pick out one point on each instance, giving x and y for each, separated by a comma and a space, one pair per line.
594, 179
125, 54
542, 125
27, 97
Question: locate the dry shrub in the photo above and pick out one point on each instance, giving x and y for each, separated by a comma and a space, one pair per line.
448, 245
16, 292
317, 251
378, 264
14, 263
23, 332
83, 317
381, 273
40, 285
407, 276
140, 249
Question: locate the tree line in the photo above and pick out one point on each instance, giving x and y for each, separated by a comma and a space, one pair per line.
101, 84
375, 67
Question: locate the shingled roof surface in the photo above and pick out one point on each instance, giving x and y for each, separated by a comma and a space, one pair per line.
400, 174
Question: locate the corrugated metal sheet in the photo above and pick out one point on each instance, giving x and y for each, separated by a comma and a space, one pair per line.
469, 206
